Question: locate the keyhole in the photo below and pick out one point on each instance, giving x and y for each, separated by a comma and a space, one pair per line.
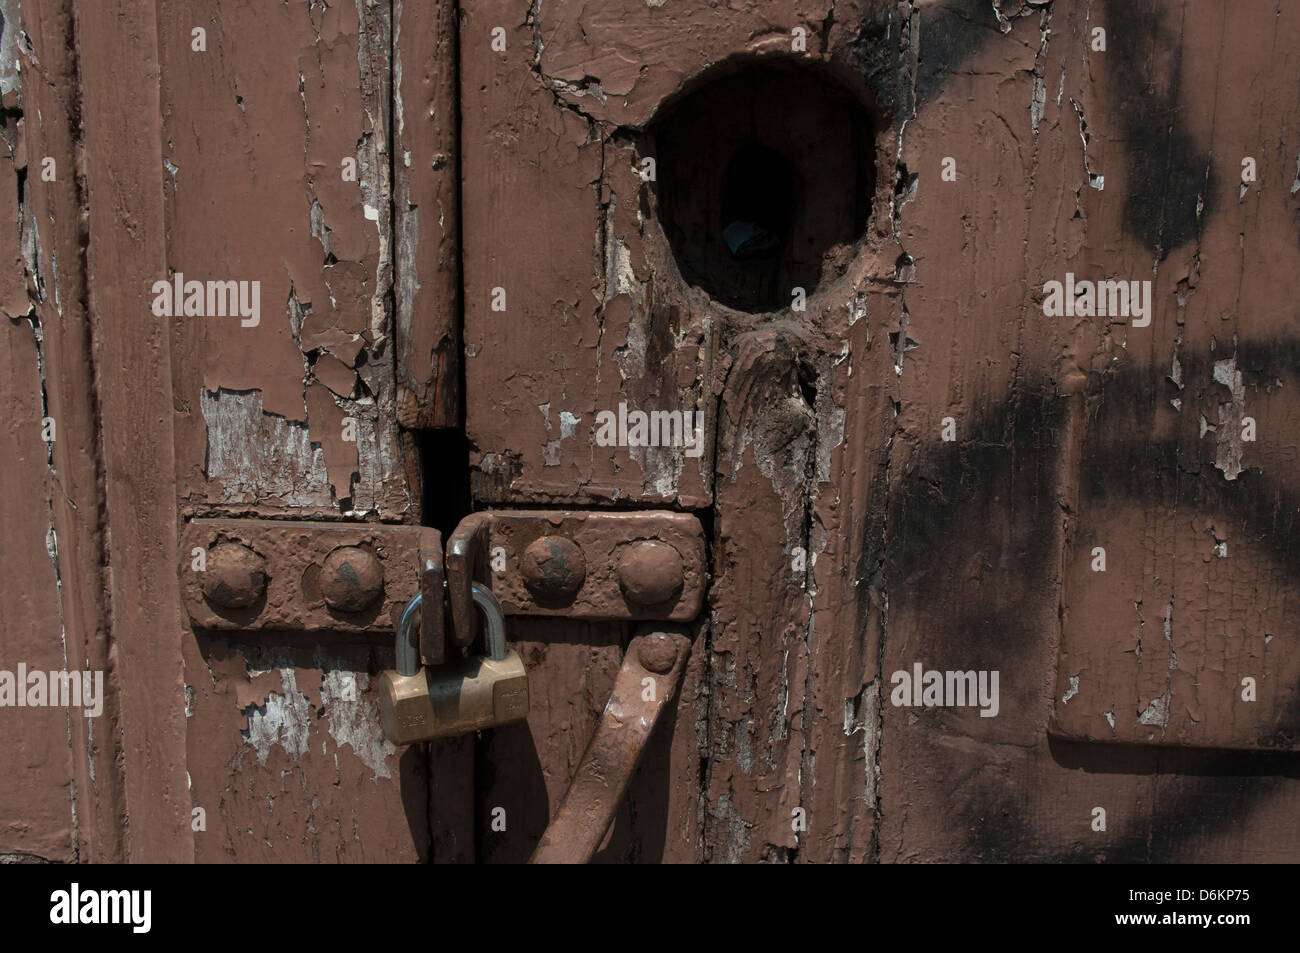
765, 179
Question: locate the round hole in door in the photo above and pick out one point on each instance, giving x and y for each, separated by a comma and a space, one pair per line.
764, 175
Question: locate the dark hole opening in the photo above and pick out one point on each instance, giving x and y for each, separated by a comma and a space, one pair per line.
444, 463
764, 182
757, 201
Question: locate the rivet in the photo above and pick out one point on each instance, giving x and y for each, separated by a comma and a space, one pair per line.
351, 579
650, 573
657, 653
234, 576
553, 568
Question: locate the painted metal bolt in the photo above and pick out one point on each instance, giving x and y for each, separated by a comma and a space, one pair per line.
351, 579
234, 577
553, 568
657, 653
650, 573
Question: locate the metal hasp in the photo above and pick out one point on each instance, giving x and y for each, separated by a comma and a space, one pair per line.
647, 682
578, 564
339, 579
356, 578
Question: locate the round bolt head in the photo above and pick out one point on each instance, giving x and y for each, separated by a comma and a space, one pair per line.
650, 573
234, 576
553, 569
657, 653
351, 579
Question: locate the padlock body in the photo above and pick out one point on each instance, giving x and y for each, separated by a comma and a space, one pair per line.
405, 707
453, 699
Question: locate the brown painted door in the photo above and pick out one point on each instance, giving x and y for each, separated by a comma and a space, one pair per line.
224, 345
815, 245
842, 254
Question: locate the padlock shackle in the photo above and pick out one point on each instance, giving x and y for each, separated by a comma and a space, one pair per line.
496, 621
408, 655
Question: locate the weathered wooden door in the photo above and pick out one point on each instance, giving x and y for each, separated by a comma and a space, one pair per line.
919, 462
211, 224
996, 571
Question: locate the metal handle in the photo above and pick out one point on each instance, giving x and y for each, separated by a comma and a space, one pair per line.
657, 653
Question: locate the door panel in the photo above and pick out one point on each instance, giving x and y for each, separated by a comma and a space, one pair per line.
36, 794
552, 155
52, 217
426, 213
283, 117
1198, 517
553, 226
1074, 433
552, 235
276, 147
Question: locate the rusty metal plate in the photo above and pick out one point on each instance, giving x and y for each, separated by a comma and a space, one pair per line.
357, 578
597, 565
300, 576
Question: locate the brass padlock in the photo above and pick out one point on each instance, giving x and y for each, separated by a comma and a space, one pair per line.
419, 704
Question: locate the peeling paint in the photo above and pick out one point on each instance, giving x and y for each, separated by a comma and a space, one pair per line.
1231, 412
1072, 691
353, 718
568, 424
256, 456
9, 63
1037, 104
283, 720
1156, 713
